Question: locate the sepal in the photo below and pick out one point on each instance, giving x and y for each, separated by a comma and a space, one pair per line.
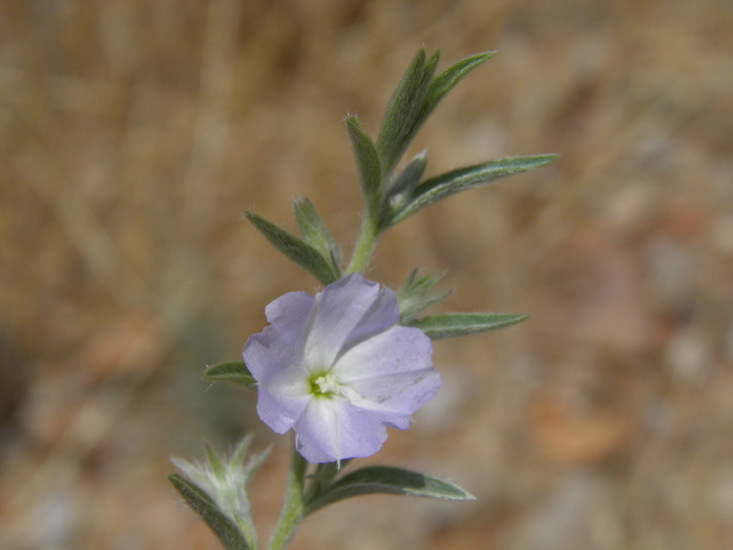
230, 371
414, 294
302, 253
216, 490
386, 480
224, 529
450, 325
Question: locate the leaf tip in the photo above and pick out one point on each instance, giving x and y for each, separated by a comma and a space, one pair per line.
468, 496
547, 159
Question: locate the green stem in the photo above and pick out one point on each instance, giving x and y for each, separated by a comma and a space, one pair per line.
292, 510
365, 244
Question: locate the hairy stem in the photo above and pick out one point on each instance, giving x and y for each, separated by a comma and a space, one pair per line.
292, 510
365, 244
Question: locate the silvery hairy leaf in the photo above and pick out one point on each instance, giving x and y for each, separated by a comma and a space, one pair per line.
302, 253
399, 124
367, 160
230, 371
449, 325
387, 480
461, 179
314, 231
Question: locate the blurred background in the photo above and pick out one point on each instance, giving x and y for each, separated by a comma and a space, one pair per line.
133, 134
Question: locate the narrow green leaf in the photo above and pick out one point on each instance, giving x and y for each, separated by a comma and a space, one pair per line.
398, 126
449, 325
387, 480
441, 85
231, 371
314, 231
450, 183
367, 160
428, 92
225, 530
400, 103
446, 81
296, 249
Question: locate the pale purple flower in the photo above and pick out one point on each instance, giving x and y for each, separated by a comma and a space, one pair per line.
338, 369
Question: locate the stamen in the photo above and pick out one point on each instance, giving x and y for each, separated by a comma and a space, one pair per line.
327, 384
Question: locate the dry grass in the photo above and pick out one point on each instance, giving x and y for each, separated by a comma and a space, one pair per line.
132, 136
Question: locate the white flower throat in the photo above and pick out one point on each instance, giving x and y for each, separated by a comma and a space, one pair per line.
325, 385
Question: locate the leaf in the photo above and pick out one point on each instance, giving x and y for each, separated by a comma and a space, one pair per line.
296, 249
314, 231
421, 94
446, 81
449, 325
398, 126
225, 530
450, 183
387, 480
232, 371
367, 160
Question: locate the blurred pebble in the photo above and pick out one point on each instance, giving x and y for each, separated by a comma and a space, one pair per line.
688, 357
629, 207
55, 521
721, 233
720, 490
567, 509
672, 270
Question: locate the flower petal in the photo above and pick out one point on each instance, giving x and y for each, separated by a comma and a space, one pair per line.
280, 412
345, 313
394, 398
282, 390
271, 358
390, 373
289, 314
332, 429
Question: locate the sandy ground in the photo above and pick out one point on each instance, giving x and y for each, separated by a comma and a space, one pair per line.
134, 134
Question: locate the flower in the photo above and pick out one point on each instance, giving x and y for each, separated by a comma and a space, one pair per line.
338, 369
